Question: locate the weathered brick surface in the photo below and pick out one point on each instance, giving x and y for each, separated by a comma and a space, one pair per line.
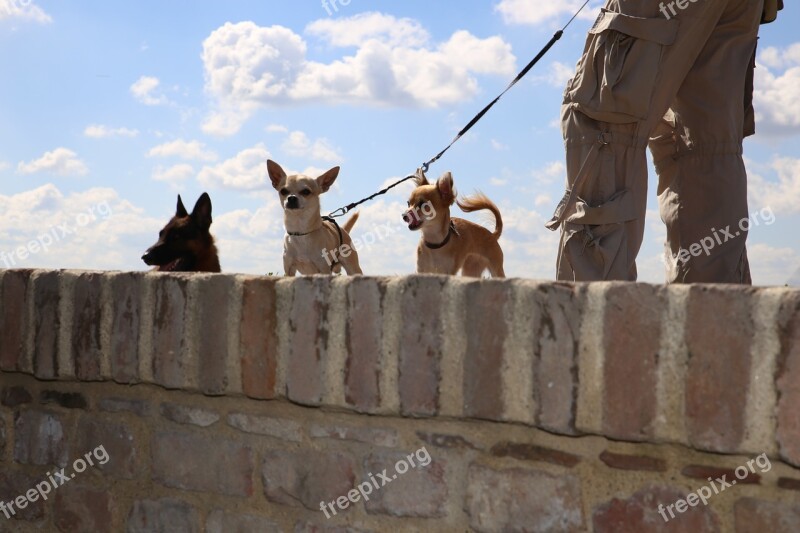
67, 400
207, 464
15, 396
633, 462
420, 347
14, 484
298, 478
221, 522
789, 483
87, 315
169, 331
13, 317
213, 310
125, 405
719, 333
279, 428
308, 341
555, 368
632, 340
118, 441
641, 513
483, 362
165, 515
39, 438
82, 510
523, 500
420, 492
448, 442
259, 338
758, 516
47, 324
126, 319
308, 527
2, 439
363, 337
748, 477
184, 414
384, 437
789, 380
533, 452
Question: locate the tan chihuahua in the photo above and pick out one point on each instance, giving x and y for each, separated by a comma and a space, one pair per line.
452, 244
312, 245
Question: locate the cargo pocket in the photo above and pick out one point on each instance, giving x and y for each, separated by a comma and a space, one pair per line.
617, 75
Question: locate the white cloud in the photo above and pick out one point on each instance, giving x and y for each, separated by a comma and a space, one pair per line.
145, 91
61, 161
357, 30
497, 182
98, 131
777, 91
558, 74
772, 266
782, 195
23, 10
276, 128
4, 166
299, 145
535, 12
187, 150
248, 66
173, 174
245, 171
497, 145
554, 172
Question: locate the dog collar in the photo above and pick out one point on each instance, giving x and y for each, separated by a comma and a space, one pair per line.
307, 233
452, 231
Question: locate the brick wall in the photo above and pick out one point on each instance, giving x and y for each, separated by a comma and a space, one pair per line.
239, 404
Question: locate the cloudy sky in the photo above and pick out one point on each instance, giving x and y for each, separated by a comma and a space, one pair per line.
109, 109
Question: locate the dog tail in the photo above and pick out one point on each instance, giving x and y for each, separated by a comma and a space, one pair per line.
348, 226
478, 202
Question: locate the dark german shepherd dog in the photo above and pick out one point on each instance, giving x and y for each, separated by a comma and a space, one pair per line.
185, 244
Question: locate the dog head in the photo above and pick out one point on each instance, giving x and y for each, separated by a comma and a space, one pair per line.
181, 240
429, 202
300, 193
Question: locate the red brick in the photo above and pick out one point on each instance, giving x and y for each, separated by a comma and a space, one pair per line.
213, 310
640, 463
308, 527
555, 366
729, 474
532, 452
632, 340
47, 324
126, 291
221, 522
789, 483
15, 396
40, 438
758, 516
169, 335
307, 343
279, 428
87, 321
419, 493
190, 462
448, 442
421, 345
383, 437
363, 337
789, 380
308, 478
719, 333
483, 362
640, 513
13, 317
83, 510
523, 500
12, 485
2, 439
259, 338
67, 400
118, 443
167, 515
184, 414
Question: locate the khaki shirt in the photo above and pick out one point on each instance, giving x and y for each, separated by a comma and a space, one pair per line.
771, 8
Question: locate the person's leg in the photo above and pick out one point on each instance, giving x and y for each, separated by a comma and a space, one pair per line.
635, 60
697, 150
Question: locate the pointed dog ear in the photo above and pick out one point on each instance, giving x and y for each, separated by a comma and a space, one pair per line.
181, 209
446, 188
202, 211
421, 178
325, 181
276, 173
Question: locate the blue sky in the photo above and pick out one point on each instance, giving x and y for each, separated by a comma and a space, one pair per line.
110, 109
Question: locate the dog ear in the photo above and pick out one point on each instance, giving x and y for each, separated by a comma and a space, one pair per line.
202, 211
325, 181
276, 173
181, 210
421, 179
445, 187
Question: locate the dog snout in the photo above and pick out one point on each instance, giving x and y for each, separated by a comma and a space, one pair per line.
292, 202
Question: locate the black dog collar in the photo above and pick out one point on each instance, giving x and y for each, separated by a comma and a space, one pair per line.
452, 231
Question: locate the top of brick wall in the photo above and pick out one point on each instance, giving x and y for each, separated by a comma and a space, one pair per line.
716, 368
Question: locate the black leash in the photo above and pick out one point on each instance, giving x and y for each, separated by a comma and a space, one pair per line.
475, 120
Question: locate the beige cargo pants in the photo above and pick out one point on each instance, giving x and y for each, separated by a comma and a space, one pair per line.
671, 75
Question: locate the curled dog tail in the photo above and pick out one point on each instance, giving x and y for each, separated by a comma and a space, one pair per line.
348, 226
478, 202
